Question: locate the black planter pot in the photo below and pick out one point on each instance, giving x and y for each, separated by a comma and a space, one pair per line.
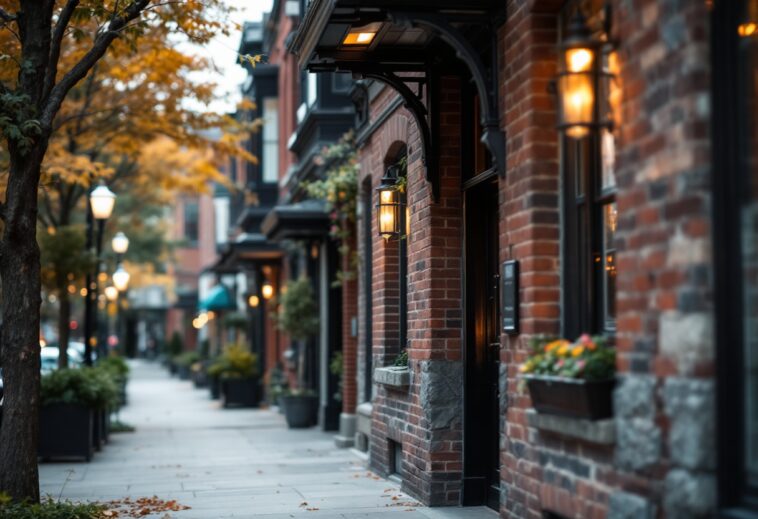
241, 392
98, 435
214, 384
183, 372
105, 420
172, 367
300, 411
65, 431
122, 398
200, 379
577, 398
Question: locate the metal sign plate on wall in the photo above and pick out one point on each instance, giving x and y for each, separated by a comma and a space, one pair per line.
510, 302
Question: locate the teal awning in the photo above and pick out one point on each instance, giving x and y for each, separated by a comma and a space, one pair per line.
219, 298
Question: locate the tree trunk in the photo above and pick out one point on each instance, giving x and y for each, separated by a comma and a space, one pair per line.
20, 272
64, 316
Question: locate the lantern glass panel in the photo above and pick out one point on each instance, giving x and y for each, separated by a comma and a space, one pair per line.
102, 201
579, 59
577, 103
388, 212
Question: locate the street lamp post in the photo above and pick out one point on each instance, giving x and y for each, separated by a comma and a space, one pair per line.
100, 207
120, 280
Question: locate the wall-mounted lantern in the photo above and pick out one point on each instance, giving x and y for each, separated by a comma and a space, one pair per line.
390, 204
581, 82
267, 290
253, 301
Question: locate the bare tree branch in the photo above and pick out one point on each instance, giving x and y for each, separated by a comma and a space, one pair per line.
55, 45
6, 16
85, 64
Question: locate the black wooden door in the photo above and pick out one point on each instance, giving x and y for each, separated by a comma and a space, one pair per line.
482, 349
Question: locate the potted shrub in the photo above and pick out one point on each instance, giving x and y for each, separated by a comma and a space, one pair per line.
199, 372
215, 368
119, 370
175, 347
298, 317
300, 407
69, 400
571, 379
184, 362
237, 370
106, 386
277, 383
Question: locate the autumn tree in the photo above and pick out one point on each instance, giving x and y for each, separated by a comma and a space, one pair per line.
38, 75
129, 110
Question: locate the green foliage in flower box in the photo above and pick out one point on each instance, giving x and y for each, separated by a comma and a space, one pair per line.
588, 358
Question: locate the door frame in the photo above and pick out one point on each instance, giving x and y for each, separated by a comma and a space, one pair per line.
476, 482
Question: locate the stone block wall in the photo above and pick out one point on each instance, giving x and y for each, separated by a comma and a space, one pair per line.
665, 404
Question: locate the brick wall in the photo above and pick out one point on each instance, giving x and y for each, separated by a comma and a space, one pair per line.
662, 461
424, 419
349, 341
664, 406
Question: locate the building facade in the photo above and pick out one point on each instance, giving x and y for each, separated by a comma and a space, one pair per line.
633, 224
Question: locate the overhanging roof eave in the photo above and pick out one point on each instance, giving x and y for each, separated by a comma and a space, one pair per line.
307, 36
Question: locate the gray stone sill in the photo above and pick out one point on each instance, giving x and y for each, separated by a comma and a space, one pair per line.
393, 376
601, 432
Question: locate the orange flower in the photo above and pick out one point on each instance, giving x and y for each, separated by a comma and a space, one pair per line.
578, 350
564, 349
592, 346
555, 344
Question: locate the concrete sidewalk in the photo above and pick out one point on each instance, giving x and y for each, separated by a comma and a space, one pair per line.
229, 463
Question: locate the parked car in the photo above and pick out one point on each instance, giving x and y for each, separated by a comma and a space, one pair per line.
49, 356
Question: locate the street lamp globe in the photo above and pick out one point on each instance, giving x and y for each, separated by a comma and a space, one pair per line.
121, 279
102, 201
120, 243
111, 293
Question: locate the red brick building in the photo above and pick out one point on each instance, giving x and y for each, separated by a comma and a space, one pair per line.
641, 230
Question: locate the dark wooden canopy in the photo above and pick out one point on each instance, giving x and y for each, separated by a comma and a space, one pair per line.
412, 44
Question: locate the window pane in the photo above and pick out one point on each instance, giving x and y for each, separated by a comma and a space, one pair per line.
748, 146
190, 222
312, 88
608, 159
610, 219
270, 158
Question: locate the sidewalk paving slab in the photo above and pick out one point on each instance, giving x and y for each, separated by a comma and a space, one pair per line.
240, 463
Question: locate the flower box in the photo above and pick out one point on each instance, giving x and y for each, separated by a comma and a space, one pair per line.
572, 397
393, 376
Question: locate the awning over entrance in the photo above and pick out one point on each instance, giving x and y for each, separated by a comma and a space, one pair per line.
410, 46
307, 219
219, 298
